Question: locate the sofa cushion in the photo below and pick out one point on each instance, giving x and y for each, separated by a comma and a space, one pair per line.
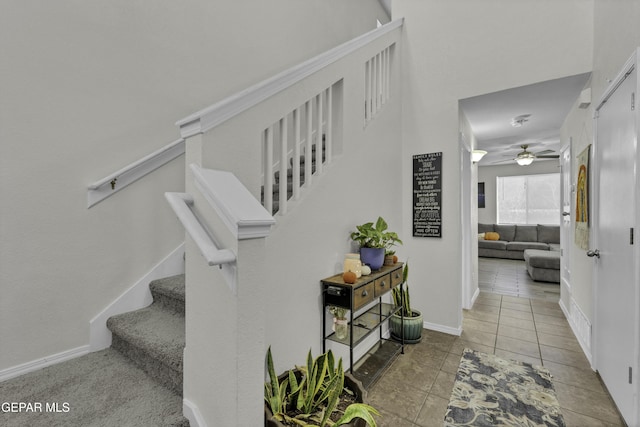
483, 228
549, 233
492, 244
542, 259
507, 232
526, 233
523, 246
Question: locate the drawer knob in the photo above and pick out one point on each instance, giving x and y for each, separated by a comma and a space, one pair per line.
397, 275
365, 293
382, 284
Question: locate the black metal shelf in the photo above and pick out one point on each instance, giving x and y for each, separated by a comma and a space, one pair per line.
367, 315
366, 323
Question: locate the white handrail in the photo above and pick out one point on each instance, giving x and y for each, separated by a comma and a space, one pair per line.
116, 181
180, 203
213, 115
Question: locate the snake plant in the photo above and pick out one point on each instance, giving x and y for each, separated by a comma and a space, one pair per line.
401, 298
313, 394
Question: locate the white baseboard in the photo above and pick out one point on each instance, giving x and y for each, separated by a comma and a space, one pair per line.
34, 365
444, 329
580, 326
192, 413
134, 298
475, 296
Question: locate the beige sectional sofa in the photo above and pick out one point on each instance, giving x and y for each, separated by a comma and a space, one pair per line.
515, 239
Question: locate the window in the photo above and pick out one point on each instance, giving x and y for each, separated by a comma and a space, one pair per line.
529, 199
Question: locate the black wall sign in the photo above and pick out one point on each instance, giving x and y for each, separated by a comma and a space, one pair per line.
427, 195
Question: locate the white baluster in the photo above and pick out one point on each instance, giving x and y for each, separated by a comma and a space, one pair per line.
308, 154
268, 170
319, 161
283, 166
329, 120
296, 154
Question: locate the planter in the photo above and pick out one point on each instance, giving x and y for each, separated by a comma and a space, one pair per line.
388, 260
412, 327
341, 327
350, 382
373, 257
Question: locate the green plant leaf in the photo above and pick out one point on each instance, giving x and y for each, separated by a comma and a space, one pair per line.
359, 410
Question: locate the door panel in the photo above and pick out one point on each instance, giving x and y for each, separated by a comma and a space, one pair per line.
615, 310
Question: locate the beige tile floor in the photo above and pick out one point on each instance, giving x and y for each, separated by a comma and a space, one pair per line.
415, 389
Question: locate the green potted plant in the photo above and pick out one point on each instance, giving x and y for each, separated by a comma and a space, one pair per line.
406, 318
340, 322
316, 395
374, 240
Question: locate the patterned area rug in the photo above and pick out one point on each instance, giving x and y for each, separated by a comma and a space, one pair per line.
491, 391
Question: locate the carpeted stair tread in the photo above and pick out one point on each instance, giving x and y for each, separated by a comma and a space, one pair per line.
101, 389
154, 339
170, 292
154, 329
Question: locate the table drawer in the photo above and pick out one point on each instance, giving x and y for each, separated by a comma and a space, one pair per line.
396, 277
382, 285
363, 295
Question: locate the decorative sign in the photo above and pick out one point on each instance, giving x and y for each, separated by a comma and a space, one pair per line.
427, 195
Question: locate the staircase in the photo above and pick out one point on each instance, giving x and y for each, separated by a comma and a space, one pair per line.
153, 337
135, 382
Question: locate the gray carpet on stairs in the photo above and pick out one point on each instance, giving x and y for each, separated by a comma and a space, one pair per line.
101, 389
137, 382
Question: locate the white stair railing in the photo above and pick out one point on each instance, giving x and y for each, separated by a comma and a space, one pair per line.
181, 204
116, 181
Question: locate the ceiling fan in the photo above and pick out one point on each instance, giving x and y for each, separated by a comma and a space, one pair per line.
525, 157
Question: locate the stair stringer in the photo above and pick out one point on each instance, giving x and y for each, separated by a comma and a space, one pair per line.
136, 297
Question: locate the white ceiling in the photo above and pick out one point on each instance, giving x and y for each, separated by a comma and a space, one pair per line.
548, 103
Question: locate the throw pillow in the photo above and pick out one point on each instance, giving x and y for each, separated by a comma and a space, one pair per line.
481, 236
491, 236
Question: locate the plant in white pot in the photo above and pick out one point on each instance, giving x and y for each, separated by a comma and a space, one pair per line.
406, 318
374, 240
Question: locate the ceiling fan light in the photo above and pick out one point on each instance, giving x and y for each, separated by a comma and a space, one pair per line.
477, 155
524, 160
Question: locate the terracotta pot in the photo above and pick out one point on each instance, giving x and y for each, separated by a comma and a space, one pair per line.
349, 381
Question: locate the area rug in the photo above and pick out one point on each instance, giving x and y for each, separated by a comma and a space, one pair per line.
491, 391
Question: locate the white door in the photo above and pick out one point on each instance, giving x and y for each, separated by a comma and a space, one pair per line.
566, 239
616, 328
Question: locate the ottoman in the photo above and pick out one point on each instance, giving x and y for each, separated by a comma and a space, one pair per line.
543, 266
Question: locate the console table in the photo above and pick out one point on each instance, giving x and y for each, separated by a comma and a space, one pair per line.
364, 322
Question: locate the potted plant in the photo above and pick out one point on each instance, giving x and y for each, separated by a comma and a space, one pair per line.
340, 322
406, 318
316, 395
374, 240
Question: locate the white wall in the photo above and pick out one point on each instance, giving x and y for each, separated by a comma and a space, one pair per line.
88, 88
455, 50
488, 175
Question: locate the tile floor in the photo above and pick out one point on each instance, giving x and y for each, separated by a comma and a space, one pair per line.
524, 324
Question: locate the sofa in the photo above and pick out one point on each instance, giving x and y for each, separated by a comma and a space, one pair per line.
513, 240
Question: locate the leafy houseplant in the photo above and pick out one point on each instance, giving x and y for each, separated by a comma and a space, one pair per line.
374, 240
310, 395
340, 324
407, 318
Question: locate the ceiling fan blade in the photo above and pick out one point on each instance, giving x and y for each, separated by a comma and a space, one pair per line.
543, 152
555, 156
503, 161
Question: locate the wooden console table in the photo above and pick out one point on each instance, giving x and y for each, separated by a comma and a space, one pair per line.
365, 318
